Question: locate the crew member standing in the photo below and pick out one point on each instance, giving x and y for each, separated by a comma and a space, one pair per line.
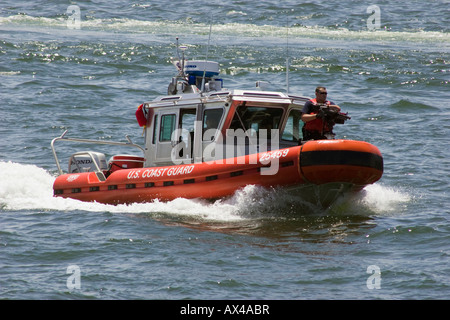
315, 127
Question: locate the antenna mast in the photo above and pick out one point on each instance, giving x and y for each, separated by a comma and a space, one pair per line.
178, 52
202, 89
287, 52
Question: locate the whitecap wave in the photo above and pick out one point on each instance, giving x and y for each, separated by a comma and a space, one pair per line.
234, 30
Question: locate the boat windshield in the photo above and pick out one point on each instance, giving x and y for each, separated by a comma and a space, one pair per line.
293, 128
256, 118
211, 118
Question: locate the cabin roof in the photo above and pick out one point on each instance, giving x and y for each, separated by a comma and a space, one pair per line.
227, 95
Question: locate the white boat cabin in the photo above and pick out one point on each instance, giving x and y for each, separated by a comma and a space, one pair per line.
193, 125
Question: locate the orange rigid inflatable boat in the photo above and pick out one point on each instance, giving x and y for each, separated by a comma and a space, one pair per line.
203, 141
344, 162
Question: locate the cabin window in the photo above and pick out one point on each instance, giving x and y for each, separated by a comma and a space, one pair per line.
167, 127
187, 124
293, 128
211, 120
188, 119
248, 117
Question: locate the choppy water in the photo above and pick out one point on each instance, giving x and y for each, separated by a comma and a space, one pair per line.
259, 244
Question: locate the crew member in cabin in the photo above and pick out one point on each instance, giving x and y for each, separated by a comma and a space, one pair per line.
315, 127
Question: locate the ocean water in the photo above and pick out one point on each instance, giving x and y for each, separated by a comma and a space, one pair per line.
87, 71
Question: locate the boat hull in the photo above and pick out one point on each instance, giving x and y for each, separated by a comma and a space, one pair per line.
341, 164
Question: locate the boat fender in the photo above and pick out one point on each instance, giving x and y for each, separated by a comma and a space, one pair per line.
141, 116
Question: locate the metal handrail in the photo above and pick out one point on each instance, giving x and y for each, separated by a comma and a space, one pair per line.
128, 144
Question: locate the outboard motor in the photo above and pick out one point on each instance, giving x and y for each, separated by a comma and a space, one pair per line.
87, 161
